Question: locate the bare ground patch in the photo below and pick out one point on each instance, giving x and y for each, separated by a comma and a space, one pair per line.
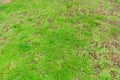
5, 1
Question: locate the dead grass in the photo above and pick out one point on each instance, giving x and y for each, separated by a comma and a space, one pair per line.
5, 1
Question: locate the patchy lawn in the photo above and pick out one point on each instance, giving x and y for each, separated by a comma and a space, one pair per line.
59, 39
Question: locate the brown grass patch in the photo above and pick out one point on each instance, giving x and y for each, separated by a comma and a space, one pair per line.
5, 1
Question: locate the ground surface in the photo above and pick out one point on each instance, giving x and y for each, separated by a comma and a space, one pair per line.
60, 40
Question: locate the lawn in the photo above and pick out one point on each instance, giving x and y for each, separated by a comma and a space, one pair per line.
60, 40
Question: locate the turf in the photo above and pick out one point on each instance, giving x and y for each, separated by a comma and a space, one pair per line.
60, 40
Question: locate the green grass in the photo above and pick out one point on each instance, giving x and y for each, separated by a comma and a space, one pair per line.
58, 40
118, 1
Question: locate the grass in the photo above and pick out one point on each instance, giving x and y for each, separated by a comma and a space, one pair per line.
59, 40
118, 1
